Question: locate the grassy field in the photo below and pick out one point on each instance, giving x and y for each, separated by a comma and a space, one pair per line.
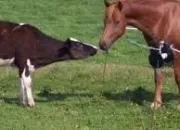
72, 95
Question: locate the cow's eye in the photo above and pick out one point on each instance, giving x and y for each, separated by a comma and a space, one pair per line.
79, 44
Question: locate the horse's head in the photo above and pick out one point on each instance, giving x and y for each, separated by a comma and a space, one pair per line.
114, 24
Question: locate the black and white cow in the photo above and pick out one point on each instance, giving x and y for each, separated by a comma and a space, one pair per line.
28, 48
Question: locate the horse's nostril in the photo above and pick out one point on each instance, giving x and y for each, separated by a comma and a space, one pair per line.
103, 47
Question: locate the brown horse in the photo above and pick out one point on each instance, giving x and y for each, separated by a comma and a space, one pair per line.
157, 19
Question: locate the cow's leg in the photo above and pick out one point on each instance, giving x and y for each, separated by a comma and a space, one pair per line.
158, 88
26, 96
26, 81
22, 92
176, 64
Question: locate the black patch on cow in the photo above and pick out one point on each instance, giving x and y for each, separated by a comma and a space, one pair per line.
155, 57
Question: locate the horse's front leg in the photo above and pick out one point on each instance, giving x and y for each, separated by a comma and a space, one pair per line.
176, 64
158, 77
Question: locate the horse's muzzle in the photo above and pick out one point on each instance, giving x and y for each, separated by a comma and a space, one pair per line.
103, 47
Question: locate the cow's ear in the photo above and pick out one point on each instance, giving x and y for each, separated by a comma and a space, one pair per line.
68, 42
120, 5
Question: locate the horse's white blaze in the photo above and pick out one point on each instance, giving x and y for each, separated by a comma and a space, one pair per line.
26, 81
30, 66
6, 61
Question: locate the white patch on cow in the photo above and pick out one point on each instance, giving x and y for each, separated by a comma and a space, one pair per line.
73, 39
22, 92
30, 66
26, 83
6, 61
21, 24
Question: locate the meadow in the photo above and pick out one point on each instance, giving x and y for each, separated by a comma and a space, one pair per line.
73, 95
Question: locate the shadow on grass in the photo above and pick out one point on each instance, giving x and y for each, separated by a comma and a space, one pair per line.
138, 96
10, 100
49, 96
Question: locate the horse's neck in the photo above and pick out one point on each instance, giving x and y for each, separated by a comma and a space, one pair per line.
142, 16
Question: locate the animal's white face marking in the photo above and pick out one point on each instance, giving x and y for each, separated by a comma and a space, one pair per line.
73, 39
21, 24
95, 47
30, 66
6, 61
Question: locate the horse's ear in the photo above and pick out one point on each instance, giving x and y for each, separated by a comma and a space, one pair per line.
109, 2
120, 5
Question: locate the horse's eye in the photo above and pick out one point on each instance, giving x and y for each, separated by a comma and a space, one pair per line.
117, 22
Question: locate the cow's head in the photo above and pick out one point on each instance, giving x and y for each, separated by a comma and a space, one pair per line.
79, 50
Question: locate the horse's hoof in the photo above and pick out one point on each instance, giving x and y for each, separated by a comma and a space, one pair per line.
178, 107
155, 105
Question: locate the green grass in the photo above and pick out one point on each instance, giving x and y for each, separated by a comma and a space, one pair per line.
72, 95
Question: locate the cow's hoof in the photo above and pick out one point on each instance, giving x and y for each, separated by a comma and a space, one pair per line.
155, 105
31, 104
